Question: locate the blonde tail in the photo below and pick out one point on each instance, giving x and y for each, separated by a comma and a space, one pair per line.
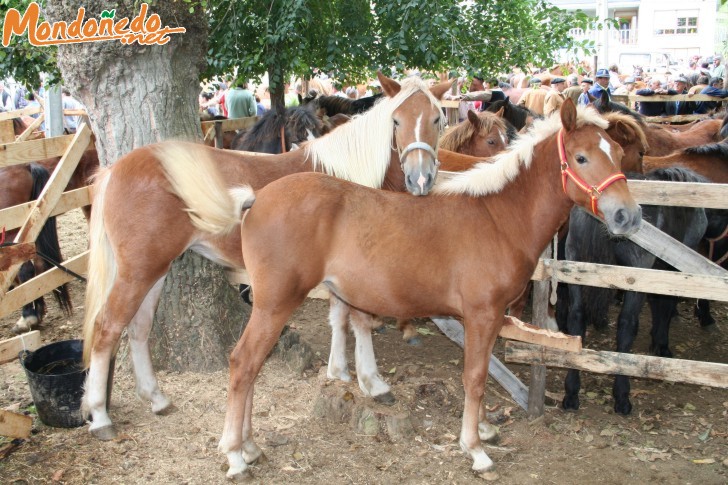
211, 205
101, 266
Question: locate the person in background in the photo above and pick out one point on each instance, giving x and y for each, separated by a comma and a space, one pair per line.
291, 98
700, 84
6, 100
555, 97
718, 69
207, 106
574, 90
240, 102
653, 108
219, 99
496, 93
602, 84
259, 107
535, 97
20, 99
70, 122
352, 93
626, 88
715, 88
680, 107
586, 85
614, 80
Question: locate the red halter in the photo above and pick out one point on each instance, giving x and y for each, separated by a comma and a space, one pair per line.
594, 191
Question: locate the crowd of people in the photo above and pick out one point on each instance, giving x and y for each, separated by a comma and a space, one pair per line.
15, 96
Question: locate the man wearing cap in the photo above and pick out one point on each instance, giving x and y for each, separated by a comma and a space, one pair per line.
586, 85
574, 89
601, 85
626, 88
679, 107
555, 97
535, 97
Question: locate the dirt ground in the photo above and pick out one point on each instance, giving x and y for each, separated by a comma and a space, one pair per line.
677, 434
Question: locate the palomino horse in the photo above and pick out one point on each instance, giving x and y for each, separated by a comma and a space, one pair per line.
391, 146
23, 183
308, 228
278, 132
589, 243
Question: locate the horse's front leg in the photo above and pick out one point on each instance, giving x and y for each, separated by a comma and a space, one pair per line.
338, 316
575, 325
370, 382
627, 328
481, 330
664, 308
147, 386
32, 313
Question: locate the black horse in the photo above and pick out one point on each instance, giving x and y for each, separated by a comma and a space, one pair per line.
588, 241
333, 105
516, 117
296, 124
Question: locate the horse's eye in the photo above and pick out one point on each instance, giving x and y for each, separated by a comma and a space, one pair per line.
491, 142
396, 123
581, 159
642, 154
437, 121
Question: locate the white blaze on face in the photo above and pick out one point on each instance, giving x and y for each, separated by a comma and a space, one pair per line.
606, 148
418, 128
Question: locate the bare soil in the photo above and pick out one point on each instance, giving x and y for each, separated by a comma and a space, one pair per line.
676, 434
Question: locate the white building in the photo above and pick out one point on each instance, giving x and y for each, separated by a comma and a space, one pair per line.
647, 28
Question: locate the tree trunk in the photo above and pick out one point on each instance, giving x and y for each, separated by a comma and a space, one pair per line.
277, 91
199, 318
136, 95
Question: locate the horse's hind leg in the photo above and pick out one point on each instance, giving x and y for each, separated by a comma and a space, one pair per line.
575, 325
122, 304
702, 311
246, 360
338, 368
147, 386
370, 382
409, 332
664, 308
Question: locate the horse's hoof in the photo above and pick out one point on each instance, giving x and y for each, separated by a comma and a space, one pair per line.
259, 460
240, 477
570, 403
382, 329
387, 399
106, 433
488, 475
166, 410
414, 341
623, 408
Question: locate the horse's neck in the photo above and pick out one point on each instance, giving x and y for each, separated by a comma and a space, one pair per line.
534, 203
394, 177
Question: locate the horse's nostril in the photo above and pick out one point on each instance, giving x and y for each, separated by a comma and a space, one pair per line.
620, 217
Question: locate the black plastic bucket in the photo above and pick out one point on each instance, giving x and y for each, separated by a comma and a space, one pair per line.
56, 375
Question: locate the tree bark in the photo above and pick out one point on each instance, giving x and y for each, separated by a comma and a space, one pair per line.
136, 95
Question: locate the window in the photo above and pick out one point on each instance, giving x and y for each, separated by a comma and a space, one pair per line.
676, 22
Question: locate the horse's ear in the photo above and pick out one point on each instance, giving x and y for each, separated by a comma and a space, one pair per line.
439, 90
568, 115
499, 113
389, 86
507, 100
473, 118
300, 99
605, 97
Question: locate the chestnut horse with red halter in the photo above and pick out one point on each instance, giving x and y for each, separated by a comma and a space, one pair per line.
387, 254
138, 225
623, 129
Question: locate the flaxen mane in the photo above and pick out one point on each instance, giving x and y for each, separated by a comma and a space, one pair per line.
488, 178
350, 154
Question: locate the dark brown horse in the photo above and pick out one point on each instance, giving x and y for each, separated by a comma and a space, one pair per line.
307, 229
139, 223
23, 183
